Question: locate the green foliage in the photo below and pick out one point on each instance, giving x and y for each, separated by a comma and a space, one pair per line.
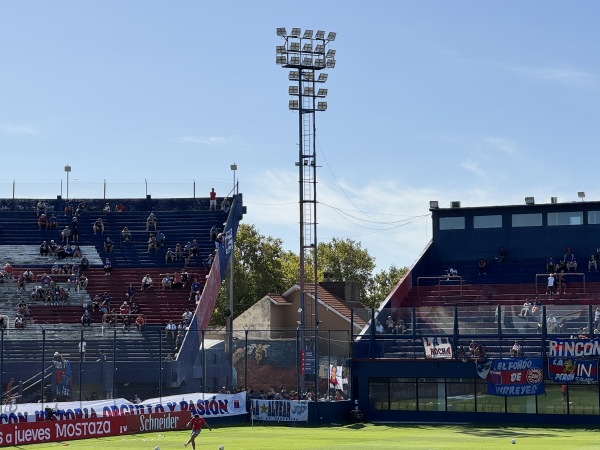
382, 284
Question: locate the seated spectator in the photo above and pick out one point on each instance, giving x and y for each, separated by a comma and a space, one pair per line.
77, 252
84, 264
550, 264
562, 284
516, 350
569, 259
65, 235
96, 301
501, 255
134, 308
69, 251
225, 205
195, 288
452, 272
209, 261
170, 329
68, 209
551, 323
8, 271
167, 282
107, 267
186, 318
169, 256
41, 208
108, 245
561, 267
389, 324
28, 274
146, 282
125, 235
61, 252
179, 340
106, 208
480, 354
98, 226
124, 309
44, 249
592, 263
52, 222
130, 294
398, 327
481, 265
83, 281
86, 319
120, 207
185, 277
80, 208
152, 244
72, 281
525, 308
178, 251
19, 322
126, 323
53, 247
151, 222
160, 238
140, 322
42, 222
473, 347
214, 232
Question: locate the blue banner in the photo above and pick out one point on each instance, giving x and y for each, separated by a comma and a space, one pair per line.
516, 377
572, 370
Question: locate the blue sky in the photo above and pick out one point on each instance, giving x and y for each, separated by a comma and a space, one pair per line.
481, 102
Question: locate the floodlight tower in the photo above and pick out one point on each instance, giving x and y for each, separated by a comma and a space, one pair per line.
306, 55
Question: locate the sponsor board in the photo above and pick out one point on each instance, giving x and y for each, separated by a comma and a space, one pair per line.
280, 410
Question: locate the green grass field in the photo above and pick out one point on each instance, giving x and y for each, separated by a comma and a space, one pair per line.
369, 436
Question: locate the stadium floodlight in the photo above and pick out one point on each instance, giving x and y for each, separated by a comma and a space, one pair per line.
308, 91
320, 63
281, 50
331, 36
295, 32
322, 77
319, 35
281, 32
293, 90
295, 60
320, 48
308, 34
308, 76
330, 53
281, 59
322, 106
330, 63
307, 61
294, 104
295, 47
322, 93
307, 48
294, 75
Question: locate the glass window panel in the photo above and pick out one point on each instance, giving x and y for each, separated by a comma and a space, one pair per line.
527, 220
594, 217
461, 395
583, 399
565, 218
493, 221
452, 223
552, 402
432, 394
523, 404
403, 394
488, 403
379, 394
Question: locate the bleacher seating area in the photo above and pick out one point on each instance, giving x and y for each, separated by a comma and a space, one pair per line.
20, 239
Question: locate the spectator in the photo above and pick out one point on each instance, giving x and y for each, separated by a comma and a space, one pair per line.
65, 235
151, 222
28, 275
194, 248
52, 222
481, 266
214, 232
8, 271
140, 322
501, 255
146, 282
551, 323
480, 354
187, 317
516, 350
80, 208
160, 239
562, 284
178, 251
108, 245
592, 263
550, 285
44, 249
167, 282
77, 252
179, 340
209, 261
389, 324
225, 205
525, 308
120, 207
134, 308
473, 347
106, 208
125, 235
550, 264
212, 200
170, 255
124, 309
107, 266
170, 329
126, 323
41, 208
569, 259
83, 282
86, 319
152, 244
82, 346
42, 222
195, 288
68, 208
98, 226
130, 294
84, 264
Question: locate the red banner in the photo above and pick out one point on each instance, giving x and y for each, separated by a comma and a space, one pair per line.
63, 430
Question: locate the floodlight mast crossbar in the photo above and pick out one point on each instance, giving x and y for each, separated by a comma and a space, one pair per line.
305, 54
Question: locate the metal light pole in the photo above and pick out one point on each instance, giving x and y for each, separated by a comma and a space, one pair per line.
306, 54
234, 168
68, 170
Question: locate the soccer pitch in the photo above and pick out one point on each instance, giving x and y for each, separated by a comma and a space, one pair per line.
357, 436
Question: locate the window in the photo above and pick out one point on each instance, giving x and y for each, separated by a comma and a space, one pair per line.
526, 220
594, 217
452, 223
565, 218
494, 221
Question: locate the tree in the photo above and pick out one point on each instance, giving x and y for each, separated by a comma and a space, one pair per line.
261, 266
382, 284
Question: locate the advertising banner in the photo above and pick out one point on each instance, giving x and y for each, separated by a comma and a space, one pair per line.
573, 370
52, 431
516, 377
206, 405
573, 348
280, 410
437, 347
